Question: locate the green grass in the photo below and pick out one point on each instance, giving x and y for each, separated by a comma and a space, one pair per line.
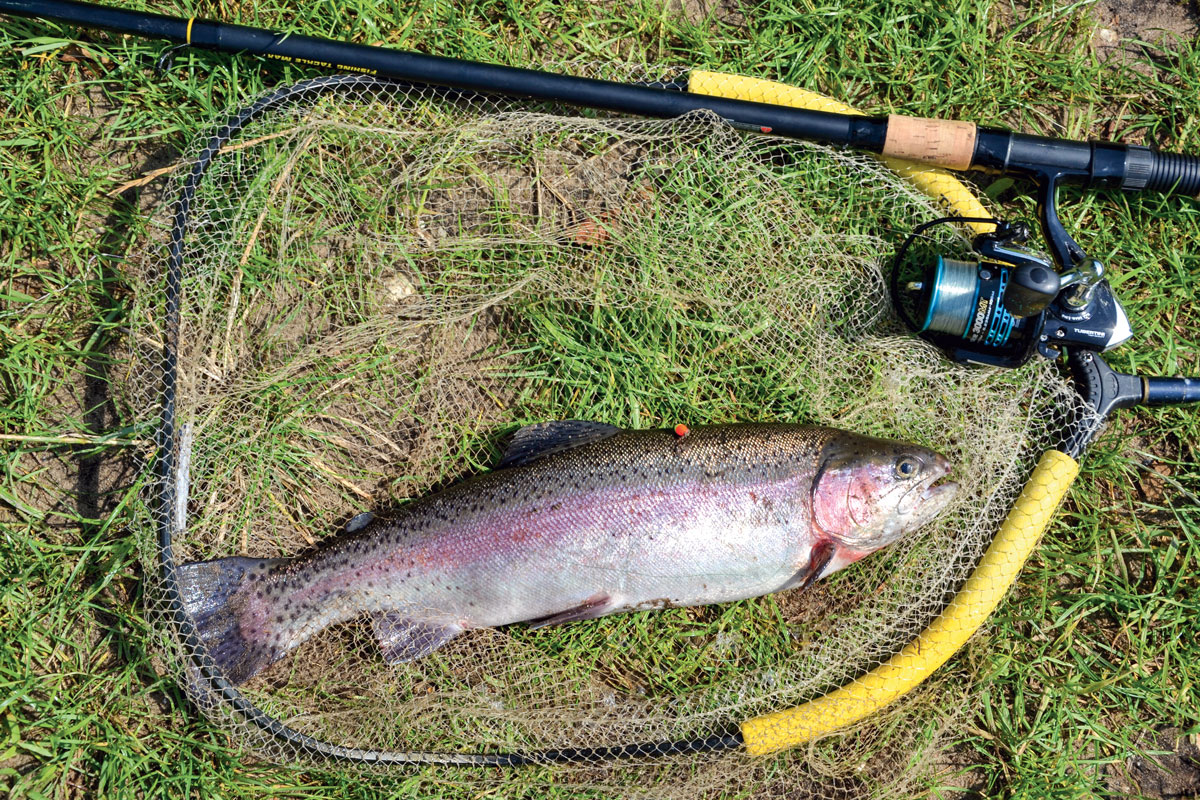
1098, 645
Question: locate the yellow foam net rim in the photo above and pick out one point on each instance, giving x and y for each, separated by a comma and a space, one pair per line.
970, 608
1001, 563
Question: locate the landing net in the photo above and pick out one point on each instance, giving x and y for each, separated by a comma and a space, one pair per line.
379, 283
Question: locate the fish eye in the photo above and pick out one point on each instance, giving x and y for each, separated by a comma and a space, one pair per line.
907, 467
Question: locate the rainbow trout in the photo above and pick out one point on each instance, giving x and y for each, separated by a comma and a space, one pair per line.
580, 520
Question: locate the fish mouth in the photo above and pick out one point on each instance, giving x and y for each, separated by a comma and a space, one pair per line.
932, 495
939, 494
936, 492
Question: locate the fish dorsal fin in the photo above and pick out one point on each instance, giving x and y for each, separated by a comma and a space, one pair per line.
538, 441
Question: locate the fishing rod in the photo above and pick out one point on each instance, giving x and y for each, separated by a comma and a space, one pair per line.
1002, 308
950, 144
1031, 305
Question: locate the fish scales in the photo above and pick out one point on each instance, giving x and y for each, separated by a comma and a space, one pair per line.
625, 520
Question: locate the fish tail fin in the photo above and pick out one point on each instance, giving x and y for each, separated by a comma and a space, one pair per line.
214, 596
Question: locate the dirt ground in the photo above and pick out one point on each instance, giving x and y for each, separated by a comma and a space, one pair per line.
1146, 20
1174, 772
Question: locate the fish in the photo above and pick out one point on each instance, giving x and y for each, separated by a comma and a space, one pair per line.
579, 520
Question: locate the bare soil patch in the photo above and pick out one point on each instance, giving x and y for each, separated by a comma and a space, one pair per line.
1147, 20
1170, 768
698, 12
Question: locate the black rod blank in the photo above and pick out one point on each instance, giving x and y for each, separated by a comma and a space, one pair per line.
1040, 158
864, 133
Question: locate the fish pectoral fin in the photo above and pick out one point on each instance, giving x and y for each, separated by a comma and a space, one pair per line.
595, 606
819, 558
403, 639
546, 438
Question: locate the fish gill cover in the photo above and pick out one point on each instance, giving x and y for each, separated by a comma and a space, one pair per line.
382, 284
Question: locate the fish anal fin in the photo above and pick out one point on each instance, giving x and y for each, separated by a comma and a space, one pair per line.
403, 638
595, 606
546, 438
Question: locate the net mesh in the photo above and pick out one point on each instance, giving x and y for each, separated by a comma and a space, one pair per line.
381, 282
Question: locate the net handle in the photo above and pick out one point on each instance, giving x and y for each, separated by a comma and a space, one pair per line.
970, 608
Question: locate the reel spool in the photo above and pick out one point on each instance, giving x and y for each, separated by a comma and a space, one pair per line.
1008, 304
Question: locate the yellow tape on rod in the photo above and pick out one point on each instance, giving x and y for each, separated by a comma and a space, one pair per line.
943, 187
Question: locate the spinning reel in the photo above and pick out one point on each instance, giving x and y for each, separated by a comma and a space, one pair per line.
1009, 304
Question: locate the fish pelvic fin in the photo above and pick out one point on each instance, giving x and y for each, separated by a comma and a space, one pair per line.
403, 639
215, 597
596, 606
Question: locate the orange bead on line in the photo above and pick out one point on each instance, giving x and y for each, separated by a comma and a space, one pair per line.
681, 430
